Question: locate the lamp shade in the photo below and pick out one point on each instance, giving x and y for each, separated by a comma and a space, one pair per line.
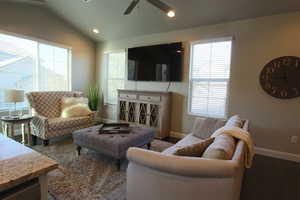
13, 96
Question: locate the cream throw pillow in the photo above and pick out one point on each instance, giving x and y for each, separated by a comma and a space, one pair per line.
75, 107
70, 101
195, 150
222, 148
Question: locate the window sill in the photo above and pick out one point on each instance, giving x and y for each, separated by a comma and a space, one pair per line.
204, 116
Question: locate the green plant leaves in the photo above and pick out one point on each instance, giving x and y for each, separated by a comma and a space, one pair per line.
93, 97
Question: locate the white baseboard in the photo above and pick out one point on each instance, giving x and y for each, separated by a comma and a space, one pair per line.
277, 154
177, 134
258, 150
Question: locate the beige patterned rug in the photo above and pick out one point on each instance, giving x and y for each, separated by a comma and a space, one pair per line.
91, 176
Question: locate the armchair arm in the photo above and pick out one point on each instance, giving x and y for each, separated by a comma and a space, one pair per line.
40, 122
184, 166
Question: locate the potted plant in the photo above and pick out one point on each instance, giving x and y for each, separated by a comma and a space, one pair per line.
94, 99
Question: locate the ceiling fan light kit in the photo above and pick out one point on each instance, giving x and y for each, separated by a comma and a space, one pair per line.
157, 3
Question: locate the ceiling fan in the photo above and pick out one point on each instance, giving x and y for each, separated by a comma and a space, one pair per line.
157, 3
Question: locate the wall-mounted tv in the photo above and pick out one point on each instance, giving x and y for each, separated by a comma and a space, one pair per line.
156, 63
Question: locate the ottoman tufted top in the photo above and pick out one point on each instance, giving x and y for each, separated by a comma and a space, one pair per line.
115, 145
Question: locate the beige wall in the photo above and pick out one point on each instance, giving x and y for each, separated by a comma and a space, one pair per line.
256, 42
41, 23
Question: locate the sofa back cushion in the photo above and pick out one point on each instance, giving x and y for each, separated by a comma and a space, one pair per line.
194, 150
48, 104
205, 127
235, 121
222, 148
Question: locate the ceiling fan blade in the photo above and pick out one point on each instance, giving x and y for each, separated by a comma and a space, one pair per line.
160, 5
38, 1
131, 7
26, 1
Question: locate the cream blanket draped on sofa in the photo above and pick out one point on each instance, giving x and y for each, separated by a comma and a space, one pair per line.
240, 134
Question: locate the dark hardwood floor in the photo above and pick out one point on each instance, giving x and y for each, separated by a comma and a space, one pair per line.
268, 179
271, 179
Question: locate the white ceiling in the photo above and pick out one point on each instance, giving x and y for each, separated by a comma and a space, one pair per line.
107, 15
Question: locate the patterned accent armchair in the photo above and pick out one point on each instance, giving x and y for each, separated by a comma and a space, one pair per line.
47, 123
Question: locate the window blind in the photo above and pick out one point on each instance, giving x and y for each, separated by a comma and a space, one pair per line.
115, 76
209, 77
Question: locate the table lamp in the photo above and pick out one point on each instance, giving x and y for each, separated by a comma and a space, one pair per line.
14, 96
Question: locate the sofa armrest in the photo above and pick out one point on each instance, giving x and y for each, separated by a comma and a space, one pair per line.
184, 166
40, 122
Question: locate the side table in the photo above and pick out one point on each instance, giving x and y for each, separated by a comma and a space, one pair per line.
8, 126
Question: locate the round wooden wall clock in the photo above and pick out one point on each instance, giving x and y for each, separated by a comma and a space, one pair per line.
280, 78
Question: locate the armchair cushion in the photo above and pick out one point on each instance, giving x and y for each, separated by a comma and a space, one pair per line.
75, 107
78, 110
65, 123
71, 101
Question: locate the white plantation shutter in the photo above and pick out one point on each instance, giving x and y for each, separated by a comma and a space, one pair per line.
209, 77
115, 75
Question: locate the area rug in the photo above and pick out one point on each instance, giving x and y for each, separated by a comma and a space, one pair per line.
91, 176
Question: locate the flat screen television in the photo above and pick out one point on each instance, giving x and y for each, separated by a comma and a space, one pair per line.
156, 63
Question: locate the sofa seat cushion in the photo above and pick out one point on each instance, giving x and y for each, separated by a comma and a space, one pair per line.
186, 141
195, 150
65, 123
222, 148
204, 127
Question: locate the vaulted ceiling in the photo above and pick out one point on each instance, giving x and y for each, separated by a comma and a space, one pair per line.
107, 15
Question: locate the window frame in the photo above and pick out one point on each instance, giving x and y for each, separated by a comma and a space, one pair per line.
191, 54
38, 42
106, 78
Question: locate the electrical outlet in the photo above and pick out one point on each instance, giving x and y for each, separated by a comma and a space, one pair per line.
294, 139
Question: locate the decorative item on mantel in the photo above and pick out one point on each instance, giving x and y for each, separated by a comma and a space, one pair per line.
14, 96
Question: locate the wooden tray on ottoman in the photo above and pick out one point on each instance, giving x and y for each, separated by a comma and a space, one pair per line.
114, 128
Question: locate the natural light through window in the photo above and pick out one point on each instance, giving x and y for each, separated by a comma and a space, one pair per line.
209, 78
32, 66
115, 73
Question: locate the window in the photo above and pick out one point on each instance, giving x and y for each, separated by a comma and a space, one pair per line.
115, 75
31, 66
209, 78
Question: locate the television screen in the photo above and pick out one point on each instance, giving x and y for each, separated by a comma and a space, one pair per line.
156, 63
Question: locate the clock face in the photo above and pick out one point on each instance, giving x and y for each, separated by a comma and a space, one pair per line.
281, 77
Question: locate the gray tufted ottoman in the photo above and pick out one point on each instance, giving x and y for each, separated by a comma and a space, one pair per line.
114, 145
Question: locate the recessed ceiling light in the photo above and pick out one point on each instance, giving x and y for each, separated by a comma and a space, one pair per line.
96, 31
171, 13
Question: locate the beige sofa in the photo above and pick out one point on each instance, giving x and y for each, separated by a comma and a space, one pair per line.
47, 123
163, 176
